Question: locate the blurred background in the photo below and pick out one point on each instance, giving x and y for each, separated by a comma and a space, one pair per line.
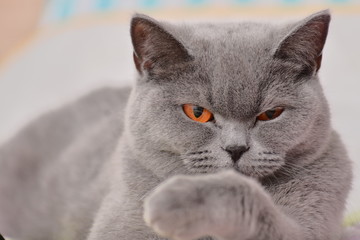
53, 51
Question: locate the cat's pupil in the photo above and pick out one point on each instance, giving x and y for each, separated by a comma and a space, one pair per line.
198, 111
270, 113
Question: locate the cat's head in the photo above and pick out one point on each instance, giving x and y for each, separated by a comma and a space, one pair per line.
215, 96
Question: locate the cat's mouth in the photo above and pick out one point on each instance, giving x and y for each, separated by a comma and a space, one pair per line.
203, 162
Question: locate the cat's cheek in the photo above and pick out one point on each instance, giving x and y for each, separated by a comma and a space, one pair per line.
274, 137
186, 135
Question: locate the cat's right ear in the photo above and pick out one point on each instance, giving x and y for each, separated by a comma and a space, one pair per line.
154, 48
305, 42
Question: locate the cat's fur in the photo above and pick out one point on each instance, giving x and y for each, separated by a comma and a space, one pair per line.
85, 171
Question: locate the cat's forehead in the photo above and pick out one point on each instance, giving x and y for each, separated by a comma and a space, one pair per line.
233, 53
233, 60
223, 39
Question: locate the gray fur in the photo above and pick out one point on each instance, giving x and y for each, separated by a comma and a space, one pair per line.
90, 171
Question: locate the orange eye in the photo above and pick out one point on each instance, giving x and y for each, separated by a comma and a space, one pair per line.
197, 113
270, 114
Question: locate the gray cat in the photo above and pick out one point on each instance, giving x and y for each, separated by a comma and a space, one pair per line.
226, 135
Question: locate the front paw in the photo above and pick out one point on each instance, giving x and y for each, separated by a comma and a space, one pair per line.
222, 205
177, 209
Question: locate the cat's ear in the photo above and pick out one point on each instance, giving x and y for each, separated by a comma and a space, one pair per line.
154, 47
306, 40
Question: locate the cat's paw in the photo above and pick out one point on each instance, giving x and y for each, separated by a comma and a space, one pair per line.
222, 205
176, 210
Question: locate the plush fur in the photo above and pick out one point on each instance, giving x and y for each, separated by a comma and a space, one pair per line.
93, 170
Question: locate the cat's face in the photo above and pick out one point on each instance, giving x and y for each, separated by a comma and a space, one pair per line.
227, 96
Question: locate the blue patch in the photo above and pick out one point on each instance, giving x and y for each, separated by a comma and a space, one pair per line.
149, 3
292, 1
104, 5
197, 2
243, 1
66, 8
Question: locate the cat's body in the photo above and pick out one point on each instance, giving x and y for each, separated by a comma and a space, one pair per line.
83, 172
63, 144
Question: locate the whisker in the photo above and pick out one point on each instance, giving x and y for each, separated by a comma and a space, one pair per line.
294, 167
198, 159
198, 152
257, 172
269, 153
269, 159
205, 166
264, 167
287, 172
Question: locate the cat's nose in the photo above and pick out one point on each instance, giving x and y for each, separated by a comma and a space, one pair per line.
236, 151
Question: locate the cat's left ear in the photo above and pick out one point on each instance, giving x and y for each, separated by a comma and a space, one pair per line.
305, 42
155, 49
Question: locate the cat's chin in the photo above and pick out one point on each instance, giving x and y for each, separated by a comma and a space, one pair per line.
245, 171
253, 172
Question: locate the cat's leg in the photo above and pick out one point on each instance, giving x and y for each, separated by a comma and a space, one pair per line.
227, 206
